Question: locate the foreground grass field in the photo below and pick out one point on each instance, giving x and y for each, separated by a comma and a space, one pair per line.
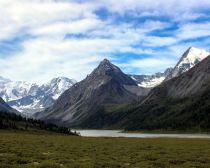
30, 150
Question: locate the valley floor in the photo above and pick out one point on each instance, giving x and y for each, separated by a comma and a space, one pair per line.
28, 150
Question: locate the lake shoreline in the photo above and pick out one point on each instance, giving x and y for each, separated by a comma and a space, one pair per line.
207, 132
169, 132
121, 133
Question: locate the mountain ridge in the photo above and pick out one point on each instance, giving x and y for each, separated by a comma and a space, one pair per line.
150, 81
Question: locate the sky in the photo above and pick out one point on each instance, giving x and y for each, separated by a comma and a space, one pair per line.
43, 39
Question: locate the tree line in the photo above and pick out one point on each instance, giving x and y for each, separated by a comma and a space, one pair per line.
17, 122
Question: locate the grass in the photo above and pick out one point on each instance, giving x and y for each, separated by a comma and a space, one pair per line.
31, 150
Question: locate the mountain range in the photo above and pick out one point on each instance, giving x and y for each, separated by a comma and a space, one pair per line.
109, 98
29, 98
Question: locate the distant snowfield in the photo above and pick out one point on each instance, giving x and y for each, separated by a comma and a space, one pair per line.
119, 133
152, 83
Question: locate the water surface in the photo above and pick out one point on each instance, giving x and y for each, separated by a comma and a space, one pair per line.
119, 133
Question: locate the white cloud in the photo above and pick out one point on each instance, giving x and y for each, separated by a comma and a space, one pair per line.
155, 41
163, 6
73, 27
193, 30
49, 54
23, 14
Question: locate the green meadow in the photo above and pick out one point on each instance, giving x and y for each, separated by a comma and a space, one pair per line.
50, 150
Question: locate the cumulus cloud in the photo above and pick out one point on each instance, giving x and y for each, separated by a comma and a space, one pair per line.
70, 37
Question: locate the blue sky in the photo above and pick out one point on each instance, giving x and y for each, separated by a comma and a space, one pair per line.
42, 39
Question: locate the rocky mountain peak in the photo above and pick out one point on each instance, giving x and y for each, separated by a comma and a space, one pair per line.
107, 70
105, 61
105, 67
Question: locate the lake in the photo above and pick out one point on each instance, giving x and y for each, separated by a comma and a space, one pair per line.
119, 133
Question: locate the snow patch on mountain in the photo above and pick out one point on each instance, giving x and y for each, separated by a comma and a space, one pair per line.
150, 83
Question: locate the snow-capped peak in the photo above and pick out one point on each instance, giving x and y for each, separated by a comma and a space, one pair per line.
57, 86
188, 60
192, 56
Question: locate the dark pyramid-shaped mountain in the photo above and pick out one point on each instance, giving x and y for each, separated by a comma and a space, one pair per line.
110, 71
180, 103
106, 86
